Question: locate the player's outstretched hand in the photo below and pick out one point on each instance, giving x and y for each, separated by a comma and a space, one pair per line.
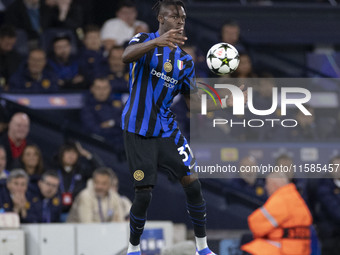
230, 101
171, 38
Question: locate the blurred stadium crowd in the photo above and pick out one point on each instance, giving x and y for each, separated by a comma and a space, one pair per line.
75, 46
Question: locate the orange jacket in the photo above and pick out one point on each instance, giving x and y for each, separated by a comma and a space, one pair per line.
281, 226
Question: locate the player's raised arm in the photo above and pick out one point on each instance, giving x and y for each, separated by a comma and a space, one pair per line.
171, 39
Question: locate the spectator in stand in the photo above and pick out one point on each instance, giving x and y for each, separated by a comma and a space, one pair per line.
284, 160
307, 129
249, 183
142, 27
3, 172
34, 76
101, 114
16, 138
245, 68
263, 100
75, 167
29, 15
64, 14
263, 92
230, 33
13, 196
65, 65
124, 201
117, 31
45, 205
9, 58
98, 202
32, 162
328, 212
283, 224
91, 57
115, 70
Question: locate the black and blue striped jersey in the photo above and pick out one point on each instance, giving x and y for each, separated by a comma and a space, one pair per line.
155, 79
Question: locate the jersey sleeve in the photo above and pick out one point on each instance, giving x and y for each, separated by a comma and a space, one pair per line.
189, 78
139, 38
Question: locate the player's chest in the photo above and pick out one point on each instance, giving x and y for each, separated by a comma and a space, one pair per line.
166, 65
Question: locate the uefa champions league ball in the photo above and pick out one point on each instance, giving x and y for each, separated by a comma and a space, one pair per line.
223, 58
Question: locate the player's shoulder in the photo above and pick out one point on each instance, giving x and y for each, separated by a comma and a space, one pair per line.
141, 37
185, 56
145, 35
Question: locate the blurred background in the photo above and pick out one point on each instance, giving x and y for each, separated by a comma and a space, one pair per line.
63, 86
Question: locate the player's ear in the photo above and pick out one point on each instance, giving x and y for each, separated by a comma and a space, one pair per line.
160, 19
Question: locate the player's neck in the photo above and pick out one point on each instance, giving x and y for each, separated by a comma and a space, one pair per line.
161, 31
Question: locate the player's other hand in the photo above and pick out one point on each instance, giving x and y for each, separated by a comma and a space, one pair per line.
172, 38
230, 101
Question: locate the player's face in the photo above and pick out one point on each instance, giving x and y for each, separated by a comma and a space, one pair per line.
102, 184
2, 160
49, 186
174, 17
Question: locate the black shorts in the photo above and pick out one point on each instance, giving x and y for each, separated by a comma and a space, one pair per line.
146, 155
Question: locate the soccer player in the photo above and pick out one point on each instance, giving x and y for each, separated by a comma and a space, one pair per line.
159, 70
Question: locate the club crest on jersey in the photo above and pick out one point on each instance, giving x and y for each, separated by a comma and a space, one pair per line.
180, 64
138, 175
167, 66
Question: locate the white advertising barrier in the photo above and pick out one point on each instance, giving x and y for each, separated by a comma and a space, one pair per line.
101, 239
50, 239
12, 242
92, 239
